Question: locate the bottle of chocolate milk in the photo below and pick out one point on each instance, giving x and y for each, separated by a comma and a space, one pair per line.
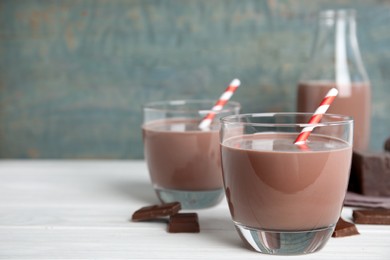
336, 62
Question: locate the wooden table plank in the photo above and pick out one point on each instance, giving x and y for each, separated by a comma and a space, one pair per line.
155, 243
82, 209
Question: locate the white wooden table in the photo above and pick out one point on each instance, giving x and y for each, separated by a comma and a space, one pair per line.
82, 209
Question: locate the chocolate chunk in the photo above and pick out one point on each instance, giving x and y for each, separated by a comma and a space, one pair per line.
344, 229
372, 216
387, 144
183, 223
156, 211
357, 200
370, 173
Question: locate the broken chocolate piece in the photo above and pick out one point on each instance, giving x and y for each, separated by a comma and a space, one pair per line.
156, 211
353, 199
344, 229
387, 144
183, 223
370, 173
372, 216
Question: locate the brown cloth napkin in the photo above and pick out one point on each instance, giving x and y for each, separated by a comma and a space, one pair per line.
357, 200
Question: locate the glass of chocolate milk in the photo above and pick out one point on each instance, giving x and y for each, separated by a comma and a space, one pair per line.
184, 161
285, 199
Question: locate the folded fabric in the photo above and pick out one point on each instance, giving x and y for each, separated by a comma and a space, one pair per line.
357, 200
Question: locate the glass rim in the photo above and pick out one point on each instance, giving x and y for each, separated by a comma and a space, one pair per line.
233, 119
159, 105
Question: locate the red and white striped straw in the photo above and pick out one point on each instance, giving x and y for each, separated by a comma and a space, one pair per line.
227, 94
316, 117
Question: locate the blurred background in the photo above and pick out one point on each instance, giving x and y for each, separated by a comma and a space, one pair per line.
74, 74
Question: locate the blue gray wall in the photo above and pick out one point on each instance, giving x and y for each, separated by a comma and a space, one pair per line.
74, 74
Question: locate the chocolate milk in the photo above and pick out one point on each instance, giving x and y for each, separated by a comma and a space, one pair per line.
356, 103
273, 185
182, 157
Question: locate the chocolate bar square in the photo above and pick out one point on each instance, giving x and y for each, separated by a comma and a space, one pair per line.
344, 229
156, 211
183, 222
372, 216
370, 173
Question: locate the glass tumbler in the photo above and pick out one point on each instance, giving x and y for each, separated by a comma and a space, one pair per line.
285, 199
184, 161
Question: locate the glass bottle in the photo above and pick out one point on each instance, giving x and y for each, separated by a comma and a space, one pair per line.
336, 62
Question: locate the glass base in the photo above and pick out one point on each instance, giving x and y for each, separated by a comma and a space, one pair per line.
285, 242
191, 199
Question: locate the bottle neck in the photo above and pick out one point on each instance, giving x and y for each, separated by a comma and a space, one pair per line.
335, 54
